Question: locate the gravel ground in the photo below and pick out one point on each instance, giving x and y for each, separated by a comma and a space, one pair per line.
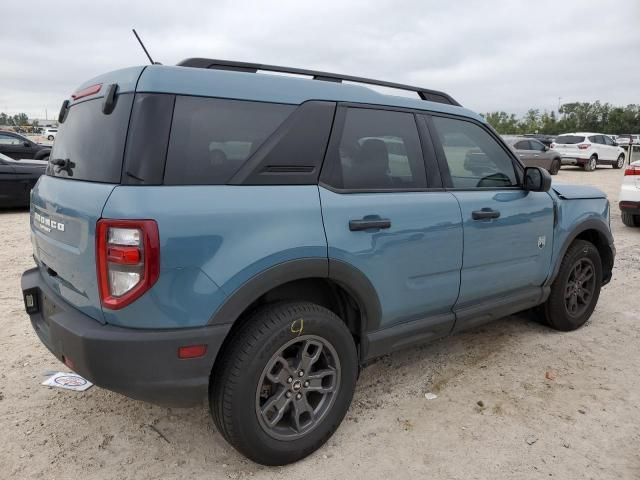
496, 414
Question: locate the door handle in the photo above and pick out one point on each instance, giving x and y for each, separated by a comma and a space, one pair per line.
485, 214
367, 223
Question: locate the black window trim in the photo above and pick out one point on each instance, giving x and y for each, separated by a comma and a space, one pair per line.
433, 175
518, 166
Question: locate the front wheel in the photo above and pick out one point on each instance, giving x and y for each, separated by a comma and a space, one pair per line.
575, 291
555, 167
285, 382
619, 163
50, 138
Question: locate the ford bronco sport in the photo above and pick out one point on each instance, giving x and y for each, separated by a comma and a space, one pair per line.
212, 231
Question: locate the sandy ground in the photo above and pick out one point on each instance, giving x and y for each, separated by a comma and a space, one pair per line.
496, 415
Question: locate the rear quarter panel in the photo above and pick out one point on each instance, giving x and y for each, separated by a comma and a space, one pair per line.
212, 240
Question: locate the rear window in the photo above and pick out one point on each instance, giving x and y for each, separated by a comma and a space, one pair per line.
212, 138
90, 143
569, 139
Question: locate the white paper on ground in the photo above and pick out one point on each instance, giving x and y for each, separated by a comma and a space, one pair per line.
70, 381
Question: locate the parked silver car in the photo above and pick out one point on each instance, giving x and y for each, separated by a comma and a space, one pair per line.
533, 153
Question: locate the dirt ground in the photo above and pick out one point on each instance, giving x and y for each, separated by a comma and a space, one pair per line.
496, 415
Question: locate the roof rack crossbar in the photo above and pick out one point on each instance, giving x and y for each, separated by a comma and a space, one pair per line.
423, 93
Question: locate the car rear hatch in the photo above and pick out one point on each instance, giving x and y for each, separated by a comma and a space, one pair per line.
568, 144
85, 166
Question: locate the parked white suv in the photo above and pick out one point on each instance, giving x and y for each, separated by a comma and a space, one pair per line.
630, 195
50, 133
588, 150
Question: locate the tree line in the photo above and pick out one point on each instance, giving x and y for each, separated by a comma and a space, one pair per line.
572, 117
19, 120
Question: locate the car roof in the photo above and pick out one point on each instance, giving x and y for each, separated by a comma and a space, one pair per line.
260, 87
515, 138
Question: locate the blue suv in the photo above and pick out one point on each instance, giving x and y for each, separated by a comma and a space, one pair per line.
215, 231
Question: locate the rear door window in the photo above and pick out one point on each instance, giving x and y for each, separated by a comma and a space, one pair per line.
90, 145
522, 145
377, 150
212, 138
9, 140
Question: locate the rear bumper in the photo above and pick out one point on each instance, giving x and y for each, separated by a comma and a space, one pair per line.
141, 364
630, 207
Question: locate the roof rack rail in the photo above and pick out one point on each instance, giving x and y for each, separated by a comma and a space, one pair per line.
423, 93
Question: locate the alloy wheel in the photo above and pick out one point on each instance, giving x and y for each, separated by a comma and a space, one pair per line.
580, 287
297, 387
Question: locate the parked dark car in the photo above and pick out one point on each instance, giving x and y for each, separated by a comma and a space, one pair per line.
17, 178
18, 146
534, 153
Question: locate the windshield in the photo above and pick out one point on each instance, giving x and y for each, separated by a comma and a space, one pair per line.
569, 139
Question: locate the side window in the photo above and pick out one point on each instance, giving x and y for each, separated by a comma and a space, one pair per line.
536, 145
594, 139
474, 157
378, 149
212, 138
522, 145
9, 140
607, 140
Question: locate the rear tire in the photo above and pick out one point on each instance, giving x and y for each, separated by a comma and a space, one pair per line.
619, 162
265, 400
555, 167
576, 289
630, 220
591, 164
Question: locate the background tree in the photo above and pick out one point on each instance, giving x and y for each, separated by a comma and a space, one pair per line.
574, 117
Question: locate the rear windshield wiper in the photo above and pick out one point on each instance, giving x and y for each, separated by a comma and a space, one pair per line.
63, 164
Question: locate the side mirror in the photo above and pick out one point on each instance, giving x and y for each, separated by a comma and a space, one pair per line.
26, 144
546, 149
536, 179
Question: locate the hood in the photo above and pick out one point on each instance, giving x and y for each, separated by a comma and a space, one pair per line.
573, 192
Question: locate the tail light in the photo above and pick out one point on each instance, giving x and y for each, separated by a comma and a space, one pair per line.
128, 260
583, 146
632, 170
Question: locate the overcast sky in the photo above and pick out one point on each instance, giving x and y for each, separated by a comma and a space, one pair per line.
489, 55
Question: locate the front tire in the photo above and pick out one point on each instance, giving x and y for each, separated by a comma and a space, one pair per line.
619, 162
630, 220
555, 167
576, 289
285, 382
50, 138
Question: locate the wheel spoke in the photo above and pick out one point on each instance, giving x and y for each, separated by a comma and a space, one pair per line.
573, 303
300, 408
277, 406
317, 382
587, 274
584, 297
568, 290
282, 374
309, 354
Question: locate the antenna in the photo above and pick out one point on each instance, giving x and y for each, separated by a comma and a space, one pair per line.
144, 48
